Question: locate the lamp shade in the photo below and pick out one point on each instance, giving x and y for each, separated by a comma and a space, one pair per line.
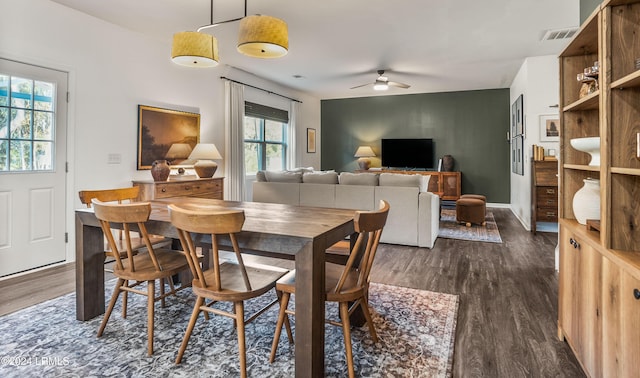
364, 151
194, 49
263, 37
204, 153
178, 151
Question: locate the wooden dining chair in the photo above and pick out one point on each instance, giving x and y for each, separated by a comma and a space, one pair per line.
154, 264
123, 195
229, 281
347, 285
120, 195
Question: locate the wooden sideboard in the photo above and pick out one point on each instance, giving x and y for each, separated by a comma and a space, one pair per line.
204, 188
445, 184
544, 192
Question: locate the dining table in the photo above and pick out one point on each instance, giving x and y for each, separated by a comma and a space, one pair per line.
275, 230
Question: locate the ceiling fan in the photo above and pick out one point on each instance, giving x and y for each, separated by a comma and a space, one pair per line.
382, 83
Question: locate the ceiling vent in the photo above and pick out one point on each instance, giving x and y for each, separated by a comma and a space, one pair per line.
552, 35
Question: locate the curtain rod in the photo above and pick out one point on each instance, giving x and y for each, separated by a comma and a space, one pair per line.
265, 90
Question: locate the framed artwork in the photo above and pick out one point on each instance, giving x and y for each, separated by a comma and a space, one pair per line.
517, 156
519, 115
159, 129
514, 117
549, 128
311, 140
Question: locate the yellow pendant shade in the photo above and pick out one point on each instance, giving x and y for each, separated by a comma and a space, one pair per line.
194, 49
263, 37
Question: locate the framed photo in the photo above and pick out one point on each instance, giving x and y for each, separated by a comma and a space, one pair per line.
311, 140
159, 129
517, 155
519, 104
549, 128
514, 117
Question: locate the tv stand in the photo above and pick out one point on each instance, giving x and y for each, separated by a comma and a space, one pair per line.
445, 184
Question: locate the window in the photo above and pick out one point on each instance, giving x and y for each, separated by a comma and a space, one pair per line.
26, 124
265, 136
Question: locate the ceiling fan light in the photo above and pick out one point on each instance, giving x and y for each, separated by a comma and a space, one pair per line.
379, 86
263, 37
194, 49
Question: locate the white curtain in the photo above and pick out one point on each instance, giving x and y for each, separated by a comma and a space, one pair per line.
234, 143
292, 143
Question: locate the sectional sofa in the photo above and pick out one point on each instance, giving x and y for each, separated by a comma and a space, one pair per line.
414, 212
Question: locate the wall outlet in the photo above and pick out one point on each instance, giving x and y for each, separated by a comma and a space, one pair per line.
114, 158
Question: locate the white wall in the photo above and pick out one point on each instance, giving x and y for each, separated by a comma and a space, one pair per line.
538, 81
111, 71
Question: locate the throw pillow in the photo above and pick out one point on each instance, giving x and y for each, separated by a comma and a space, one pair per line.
283, 176
348, 178
397, 179
260, 176
320, 177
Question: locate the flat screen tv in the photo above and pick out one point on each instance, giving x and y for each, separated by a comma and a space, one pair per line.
407, 153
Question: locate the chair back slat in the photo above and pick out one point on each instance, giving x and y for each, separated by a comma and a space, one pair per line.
125, 214
109, 195
369, 226
213, 222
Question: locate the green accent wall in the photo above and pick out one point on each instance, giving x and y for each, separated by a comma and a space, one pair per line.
471, 126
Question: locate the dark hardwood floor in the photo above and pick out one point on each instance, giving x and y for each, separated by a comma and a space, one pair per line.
507, 317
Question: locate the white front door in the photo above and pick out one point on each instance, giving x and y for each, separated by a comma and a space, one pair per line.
33, 125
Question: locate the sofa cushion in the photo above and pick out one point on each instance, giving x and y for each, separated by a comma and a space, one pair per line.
283, 176
328, 177
302, 169
398, 179
348, 178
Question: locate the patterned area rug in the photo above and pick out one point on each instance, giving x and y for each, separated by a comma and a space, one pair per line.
416, 332
450, 229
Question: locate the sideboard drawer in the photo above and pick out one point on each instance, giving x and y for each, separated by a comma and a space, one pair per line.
188, 189
205, 188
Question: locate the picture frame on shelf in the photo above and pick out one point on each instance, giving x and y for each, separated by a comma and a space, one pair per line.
311, 141
159, 129
549, 128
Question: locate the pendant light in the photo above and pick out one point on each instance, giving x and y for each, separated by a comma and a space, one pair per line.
195, 49
260, 36
263, 37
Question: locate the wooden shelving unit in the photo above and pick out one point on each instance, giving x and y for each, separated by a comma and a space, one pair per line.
599, 295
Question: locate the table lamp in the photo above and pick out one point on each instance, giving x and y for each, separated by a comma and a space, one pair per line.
204, 153
364, 153
178, 152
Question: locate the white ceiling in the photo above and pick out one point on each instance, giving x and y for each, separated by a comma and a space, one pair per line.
435, 46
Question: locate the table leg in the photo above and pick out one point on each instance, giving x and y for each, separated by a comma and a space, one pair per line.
309, 351
89, 271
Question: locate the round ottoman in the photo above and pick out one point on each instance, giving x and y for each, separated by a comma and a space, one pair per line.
470, 210
476, 196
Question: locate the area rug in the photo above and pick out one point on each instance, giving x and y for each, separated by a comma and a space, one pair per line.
450, 229
416, 332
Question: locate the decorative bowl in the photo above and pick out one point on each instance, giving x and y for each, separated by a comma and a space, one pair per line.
589, 145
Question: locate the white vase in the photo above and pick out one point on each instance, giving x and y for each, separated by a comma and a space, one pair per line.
586, 201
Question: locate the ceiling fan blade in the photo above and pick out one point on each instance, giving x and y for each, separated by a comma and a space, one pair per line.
360, 86
399, 85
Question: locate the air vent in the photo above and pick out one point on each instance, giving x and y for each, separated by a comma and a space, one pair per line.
552, 35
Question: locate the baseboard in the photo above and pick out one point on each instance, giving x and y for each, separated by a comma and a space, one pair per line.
499, 205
